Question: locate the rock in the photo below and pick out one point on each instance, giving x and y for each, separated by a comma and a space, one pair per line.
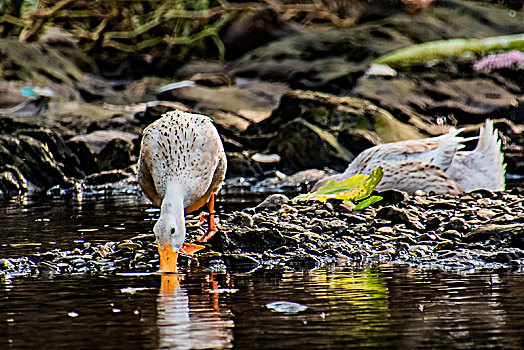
6, 265
12, 182
117, 154
110, 149
297, 59
265, 158
452, 235
433, 222
273, 201
98, 140
309, 235
64, 69
485, 214
239, 164
466, 99
129, 245
29, 163
254, 30
240, 261
303, 180
252, 101
316, 130
216, 266
304, 177
391, 196
396, 215
457, 224
244, 219
105, 177
252, 239
511, 235
443, 245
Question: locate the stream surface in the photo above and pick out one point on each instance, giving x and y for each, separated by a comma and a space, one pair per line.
395, 307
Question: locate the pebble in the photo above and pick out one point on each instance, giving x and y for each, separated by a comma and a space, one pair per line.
457, 224
485, 214
273, 201
128, 245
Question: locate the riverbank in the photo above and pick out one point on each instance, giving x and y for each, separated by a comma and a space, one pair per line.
478, 230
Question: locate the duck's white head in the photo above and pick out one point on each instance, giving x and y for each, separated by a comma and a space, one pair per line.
170, 229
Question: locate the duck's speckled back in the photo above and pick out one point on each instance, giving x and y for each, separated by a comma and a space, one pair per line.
184, 148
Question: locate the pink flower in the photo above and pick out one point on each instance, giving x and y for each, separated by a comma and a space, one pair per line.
512, 60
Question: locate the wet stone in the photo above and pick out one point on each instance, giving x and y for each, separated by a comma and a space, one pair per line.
457, 224
392, 196
485, 214
6, 265
425, 237
129, 245
398, 215
443, 245
215, 266
240, 261
433, 222
452, 235
273, 201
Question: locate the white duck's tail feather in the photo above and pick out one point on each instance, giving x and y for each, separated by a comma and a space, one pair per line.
484, 166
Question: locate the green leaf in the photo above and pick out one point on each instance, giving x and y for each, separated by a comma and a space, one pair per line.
350, 190
367, 202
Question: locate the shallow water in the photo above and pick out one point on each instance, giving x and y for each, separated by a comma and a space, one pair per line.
381, 307
372, 308
43, 223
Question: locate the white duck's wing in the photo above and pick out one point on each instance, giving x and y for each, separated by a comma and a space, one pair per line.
439, 151
145, 179
184, 148
414, 175
485, 164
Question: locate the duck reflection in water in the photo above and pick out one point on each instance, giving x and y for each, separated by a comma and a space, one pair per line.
191, 321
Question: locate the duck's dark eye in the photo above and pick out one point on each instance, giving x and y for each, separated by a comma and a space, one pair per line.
173, 231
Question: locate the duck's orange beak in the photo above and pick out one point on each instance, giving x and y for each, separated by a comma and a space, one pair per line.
168, 259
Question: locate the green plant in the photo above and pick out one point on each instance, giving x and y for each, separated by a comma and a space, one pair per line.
354, 191
443, 49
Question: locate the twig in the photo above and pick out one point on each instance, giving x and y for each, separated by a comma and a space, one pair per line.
51, 11
41, 17
14, 20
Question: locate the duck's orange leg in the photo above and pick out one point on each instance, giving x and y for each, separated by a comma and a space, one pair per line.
212, 226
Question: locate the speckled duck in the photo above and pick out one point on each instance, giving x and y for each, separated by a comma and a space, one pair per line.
181, 167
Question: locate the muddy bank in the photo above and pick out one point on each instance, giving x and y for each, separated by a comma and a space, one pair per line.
478, 230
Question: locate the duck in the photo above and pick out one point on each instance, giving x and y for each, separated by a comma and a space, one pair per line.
434, 165
181, 167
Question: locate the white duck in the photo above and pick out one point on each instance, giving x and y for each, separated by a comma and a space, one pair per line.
434, 164
181, 167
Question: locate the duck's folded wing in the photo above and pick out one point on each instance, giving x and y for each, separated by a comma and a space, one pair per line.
414, 175
435, 150
145, 179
